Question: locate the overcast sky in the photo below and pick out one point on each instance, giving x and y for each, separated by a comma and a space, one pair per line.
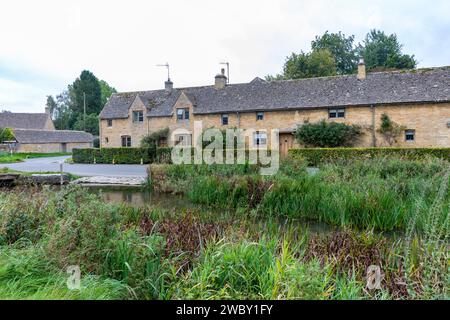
45, 44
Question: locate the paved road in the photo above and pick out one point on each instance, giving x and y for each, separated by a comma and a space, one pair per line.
52, 164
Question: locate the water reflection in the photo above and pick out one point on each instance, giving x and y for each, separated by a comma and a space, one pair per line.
141, 197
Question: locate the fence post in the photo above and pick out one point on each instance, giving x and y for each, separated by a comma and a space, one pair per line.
61, 170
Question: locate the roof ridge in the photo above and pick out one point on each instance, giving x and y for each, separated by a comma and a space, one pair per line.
294, 80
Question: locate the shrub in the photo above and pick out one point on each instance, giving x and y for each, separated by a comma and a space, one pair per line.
320, 156
389, 129
327, 134
152, 140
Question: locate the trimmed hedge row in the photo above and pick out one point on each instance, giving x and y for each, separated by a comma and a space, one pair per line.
113, 155
129, 155
317, 156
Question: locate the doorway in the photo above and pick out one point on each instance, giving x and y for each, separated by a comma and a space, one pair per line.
63, 147
286, 143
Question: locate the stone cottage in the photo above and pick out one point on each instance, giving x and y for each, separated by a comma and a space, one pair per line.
35, 132
418, 100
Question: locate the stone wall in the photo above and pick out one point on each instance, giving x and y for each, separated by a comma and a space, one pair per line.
50, 147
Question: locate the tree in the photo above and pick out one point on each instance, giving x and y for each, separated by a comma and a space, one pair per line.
318, 63
341, 48
87, 84
389, 129
6, 134
106, 92
325, 134
91, 124
51, 105
383, 52
64, 117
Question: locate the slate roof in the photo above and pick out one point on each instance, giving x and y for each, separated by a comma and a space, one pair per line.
53, 136
23, 120
400, 87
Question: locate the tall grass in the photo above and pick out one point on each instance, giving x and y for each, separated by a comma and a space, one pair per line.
151, 253
377, 193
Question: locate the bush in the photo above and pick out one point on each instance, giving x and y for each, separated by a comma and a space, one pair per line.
320, 156
327, 134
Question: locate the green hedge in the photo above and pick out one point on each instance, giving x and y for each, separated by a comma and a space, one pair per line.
113, 155
317, 156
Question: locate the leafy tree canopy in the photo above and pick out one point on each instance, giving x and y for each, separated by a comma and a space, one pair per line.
384, 52
6, 134
67, 109
89, 85
335, 53
106, 92
92, 125
318, 63
341, 48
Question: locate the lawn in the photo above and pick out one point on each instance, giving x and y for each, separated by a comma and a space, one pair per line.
19, 157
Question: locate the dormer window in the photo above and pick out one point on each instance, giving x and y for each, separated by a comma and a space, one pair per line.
260, 116
138, 116
182, 114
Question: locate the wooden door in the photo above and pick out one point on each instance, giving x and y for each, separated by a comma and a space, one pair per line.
286, 143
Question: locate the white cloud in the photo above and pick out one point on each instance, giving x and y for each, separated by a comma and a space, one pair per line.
122, 41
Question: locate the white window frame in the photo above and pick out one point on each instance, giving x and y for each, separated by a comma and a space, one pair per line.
339, 113
260, 139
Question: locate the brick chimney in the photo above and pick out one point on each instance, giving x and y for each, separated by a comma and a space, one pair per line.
221, 80
361, 69
168, 85
47, 110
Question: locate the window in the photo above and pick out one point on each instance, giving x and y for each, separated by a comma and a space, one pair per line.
336, 113
183, 140
410, 135
224, 118
126, 141
106, 140
183, 114
109, 122
260, 116
138, 116
260, 139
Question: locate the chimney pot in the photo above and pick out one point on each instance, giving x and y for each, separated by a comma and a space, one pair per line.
168, 85
361, 69
220, 80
